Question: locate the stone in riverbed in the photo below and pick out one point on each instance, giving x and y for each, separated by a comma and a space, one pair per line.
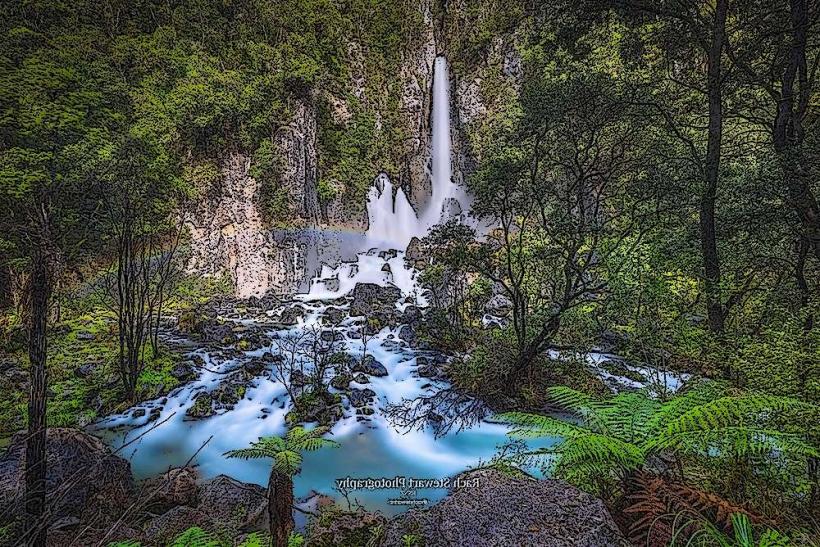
290, 316
408, 334
361, 378
184, 371
360, 397
341, 382
370, 299
370, 366
414, 254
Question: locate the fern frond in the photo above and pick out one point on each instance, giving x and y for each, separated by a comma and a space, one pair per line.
731, 411
571, 399
250, 453
287, 462
600, 449
536, 425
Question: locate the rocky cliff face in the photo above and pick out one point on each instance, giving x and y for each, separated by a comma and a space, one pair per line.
296, 146
482, 90
416, 108
229, 237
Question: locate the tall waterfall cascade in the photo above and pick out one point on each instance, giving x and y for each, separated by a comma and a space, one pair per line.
392, 221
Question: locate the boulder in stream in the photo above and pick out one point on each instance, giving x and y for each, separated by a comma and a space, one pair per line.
370, 366
370, 299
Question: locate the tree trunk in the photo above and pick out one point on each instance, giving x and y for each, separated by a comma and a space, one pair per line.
280, 508
708, 235
536, 346
788, 132
35, 470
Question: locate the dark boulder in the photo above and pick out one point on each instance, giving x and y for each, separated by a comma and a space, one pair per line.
414, 255
291, 316
215, 331
85, 371
411, 315
408, 334
173, 488
90, 478
341, 381
234, 504
488, 507
184, 371
360, 397
370, 366
370, 299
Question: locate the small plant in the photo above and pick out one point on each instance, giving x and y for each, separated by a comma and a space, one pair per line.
286, 453
410, 540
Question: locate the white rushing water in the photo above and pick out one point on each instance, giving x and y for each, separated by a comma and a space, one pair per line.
391, 218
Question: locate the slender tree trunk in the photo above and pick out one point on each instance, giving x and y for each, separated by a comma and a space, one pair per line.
35, 471
708, 233
280, 508
788, 132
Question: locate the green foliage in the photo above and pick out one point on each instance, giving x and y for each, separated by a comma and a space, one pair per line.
285, 451
296, 540
708, 535
616, 436
195, 537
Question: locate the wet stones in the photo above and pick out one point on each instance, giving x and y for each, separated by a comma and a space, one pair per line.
333, 316
291, 316
341, 381
361, 397
184, 371
360, 378
215, 331
371, 300
209, 403
388, 254
414, 255
370, 366
408, 334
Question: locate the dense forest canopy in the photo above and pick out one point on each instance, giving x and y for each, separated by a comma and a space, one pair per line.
644, 174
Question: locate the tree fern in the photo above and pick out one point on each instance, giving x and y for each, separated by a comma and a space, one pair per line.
285, 451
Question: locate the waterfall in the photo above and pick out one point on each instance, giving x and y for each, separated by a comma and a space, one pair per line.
392, 220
